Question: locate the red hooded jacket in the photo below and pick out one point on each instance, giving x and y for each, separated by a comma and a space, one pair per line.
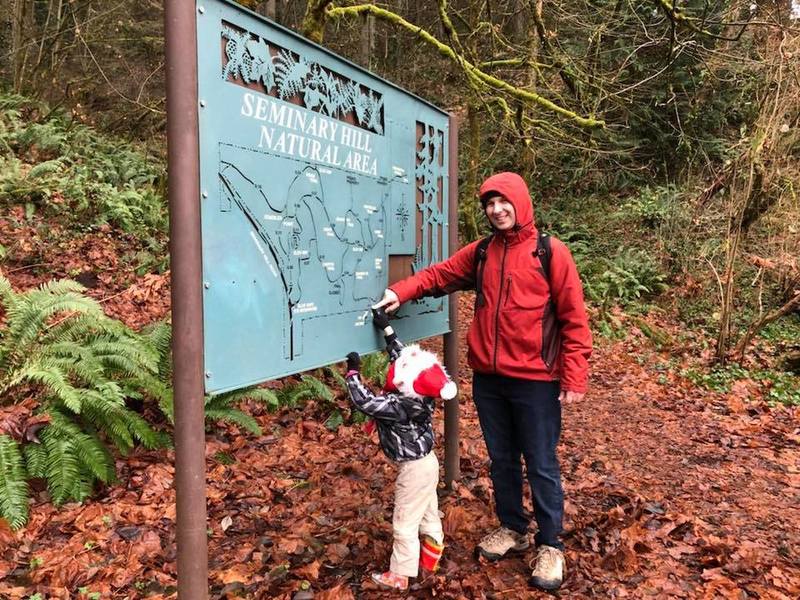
513, 332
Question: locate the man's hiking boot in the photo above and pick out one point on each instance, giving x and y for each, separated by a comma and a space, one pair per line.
548, 568
500, 542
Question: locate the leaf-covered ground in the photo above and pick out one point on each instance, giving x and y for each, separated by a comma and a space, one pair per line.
671, 490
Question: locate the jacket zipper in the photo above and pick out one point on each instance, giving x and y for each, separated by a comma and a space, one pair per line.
508, 291
499, 298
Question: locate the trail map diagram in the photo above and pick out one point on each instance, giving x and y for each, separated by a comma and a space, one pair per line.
305, 237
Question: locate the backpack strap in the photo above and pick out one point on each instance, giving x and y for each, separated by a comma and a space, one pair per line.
544, 252
480, 262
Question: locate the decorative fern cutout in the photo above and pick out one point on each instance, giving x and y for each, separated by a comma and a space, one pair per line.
262, 68
239, 61
374, 111
290, 74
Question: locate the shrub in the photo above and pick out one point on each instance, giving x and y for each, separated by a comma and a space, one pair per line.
630, 275
82, 368
58, 347
652, 206
218, 407
67, 168
778, 387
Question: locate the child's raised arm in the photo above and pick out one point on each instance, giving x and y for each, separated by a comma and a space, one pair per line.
386, 408
381, 321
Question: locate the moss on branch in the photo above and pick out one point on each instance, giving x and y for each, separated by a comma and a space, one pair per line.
313, 25
479, 79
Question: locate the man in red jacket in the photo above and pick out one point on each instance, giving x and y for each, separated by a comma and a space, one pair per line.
529, 345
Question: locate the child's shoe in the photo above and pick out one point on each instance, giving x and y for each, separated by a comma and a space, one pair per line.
390, 581
430, 555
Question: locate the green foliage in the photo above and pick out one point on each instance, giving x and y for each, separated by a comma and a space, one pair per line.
334, 373
57, 345
308, 388
13, 483
784, 330
718, 379
629, 276
81, 367
778, 387
66, 168
652, 206
218, 407
374, 366
334, 420
223, 407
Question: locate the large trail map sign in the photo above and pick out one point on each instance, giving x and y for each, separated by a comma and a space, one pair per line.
320, 184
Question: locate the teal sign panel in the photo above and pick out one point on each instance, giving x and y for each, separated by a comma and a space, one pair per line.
321, 183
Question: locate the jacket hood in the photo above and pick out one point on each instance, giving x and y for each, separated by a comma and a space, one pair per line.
512, 187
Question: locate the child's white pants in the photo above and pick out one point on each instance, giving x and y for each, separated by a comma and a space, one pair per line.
416, 512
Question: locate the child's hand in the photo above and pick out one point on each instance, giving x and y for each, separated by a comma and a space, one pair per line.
353, 361
379, 318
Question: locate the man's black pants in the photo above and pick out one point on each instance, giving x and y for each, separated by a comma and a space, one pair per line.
522, 418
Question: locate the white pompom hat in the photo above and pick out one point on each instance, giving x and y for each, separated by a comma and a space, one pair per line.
417, 373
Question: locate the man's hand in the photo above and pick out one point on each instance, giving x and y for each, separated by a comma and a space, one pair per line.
353, 362
390, 302
567, 396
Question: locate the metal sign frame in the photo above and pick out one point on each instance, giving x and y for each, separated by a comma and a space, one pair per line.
184, 192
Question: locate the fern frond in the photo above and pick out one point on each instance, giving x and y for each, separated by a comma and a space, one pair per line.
125, 356
95, 457
28, 318
61, 287
53, 379
373, 367
79, 327
82, 487
157, 390
13, 484
83, 369
309, 388
35, 460
141, 430
159, 337
7, 295
235, 416
337, 377
233, 398
62, 467
316, 388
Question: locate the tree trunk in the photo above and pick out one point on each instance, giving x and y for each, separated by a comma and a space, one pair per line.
726, 308
470, 205
518, 30
759, 323
22, 14
367, 41
268, 9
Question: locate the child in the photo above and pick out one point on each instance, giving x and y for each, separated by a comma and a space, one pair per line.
403, 417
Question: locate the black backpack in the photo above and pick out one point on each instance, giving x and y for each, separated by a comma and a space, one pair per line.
543, 251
